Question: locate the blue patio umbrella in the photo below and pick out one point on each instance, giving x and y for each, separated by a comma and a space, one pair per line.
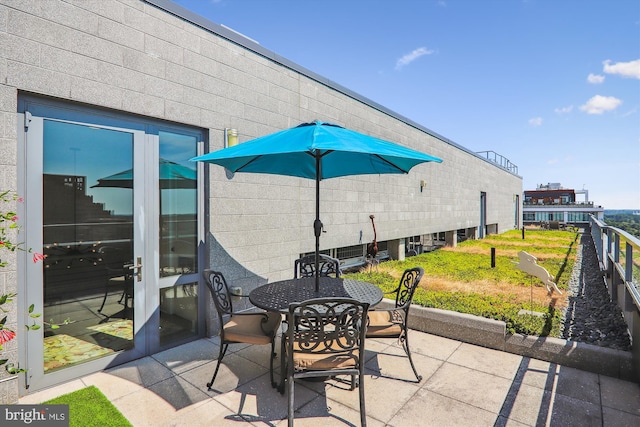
318, 150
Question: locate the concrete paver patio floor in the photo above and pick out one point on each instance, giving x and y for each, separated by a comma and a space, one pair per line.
462, 385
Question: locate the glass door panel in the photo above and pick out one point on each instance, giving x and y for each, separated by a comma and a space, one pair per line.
178, 204
88, 242
178, 239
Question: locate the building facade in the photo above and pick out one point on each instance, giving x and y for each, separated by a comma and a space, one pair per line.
552, 203
101, 106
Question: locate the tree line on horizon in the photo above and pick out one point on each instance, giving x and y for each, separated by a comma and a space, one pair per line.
624, 221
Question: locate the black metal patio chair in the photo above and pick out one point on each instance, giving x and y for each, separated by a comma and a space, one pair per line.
325, 337
258, 328
118, 275
392, 322
306, 267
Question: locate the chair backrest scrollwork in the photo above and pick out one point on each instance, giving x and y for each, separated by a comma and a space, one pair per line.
327, 325
408, 284
219, 292
306, 267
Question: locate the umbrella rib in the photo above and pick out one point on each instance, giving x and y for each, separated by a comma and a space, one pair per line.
239, 169
322, 154
391, 164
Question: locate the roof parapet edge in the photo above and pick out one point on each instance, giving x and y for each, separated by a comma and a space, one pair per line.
250, 44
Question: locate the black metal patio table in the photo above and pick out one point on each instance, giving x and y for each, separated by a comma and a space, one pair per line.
277, 296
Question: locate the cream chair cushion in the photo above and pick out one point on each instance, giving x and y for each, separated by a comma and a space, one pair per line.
382, 325
249, 328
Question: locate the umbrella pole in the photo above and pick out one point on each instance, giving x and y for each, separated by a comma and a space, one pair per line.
317, 224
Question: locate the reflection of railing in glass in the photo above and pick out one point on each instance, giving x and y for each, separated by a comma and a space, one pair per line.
178, 203
78, 279
178, 256
178, 312
178, 231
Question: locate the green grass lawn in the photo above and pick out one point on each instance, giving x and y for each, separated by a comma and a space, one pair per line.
88, 407
467, 283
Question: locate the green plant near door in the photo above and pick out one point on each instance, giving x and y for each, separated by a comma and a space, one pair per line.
9, 228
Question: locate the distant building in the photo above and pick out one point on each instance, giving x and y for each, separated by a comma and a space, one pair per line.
553, 203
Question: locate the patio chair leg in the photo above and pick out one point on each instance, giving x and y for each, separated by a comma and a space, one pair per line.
273, 356
291, 404
104, 300
363, 412
282, 365
405, 344
223, 350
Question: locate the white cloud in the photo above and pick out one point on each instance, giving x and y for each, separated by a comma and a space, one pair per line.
564, 110
410, 57
536, 121
595, 79
629, 69
552, 161
599, 104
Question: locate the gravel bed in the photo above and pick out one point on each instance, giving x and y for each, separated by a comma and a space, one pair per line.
590, 316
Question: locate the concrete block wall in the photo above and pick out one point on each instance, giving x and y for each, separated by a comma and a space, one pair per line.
131, 56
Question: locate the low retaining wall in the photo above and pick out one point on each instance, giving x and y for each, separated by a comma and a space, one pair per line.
493, 334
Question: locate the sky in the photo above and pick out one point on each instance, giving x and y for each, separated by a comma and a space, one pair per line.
553, 86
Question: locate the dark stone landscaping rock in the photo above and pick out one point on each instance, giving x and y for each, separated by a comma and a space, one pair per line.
590, 315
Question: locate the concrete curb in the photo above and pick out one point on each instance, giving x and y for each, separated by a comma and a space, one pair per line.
493, 334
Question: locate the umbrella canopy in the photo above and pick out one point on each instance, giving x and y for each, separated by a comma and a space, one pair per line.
341, 152
318, 150
172, 175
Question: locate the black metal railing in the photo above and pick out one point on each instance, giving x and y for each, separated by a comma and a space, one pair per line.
500, 160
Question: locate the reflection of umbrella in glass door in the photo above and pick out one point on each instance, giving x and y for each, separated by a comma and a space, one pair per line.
172, 176
318, 151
